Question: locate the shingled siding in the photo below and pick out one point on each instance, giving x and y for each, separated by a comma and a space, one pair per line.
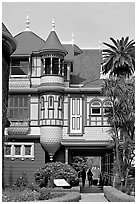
15, 168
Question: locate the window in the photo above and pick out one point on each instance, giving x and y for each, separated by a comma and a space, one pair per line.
55, 65
95, 113
107, 108
51, 102
19, 150
36, 67
59, 102
18, 108
65, 72
42, 103
19, 66
96, 108
47, 65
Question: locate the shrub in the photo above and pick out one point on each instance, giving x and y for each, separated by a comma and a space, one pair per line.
17, 195
44, 194
22, 181
56, 170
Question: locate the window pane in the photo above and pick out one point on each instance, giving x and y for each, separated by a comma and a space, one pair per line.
96, 103
16, 113
20, 102
25, 102
34, 71
50, 101
65, 71
25, 113
20, 113
8, 150
16, 102
38, 62
96, 110
17, 149
10, 113
27, 149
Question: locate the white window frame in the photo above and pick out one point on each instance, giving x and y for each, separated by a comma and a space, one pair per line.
95, 106
22, 155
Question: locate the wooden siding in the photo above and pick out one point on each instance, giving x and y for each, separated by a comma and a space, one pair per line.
15, 168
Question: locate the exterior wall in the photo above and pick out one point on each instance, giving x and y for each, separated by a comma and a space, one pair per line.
15, 168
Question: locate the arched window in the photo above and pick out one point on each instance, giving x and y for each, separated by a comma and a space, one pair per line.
42, 103
95, 113
59, 102
96, 108
51, 102
107, 108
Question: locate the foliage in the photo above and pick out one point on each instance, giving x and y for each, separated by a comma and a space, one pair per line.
119, 59
17, 195
78, 163
121, 118
56, 170
22, 181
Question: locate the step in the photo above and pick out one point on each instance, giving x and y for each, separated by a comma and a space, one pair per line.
91, 189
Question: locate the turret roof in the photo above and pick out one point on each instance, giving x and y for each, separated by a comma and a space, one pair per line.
53, 44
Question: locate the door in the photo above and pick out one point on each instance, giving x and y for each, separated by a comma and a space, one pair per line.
76, 116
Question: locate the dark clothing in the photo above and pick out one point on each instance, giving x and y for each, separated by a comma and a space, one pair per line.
90, 174
83, 175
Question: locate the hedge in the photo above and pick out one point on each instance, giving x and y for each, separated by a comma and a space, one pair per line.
114, 195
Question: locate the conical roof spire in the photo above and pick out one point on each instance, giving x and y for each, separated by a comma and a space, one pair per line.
53, 43
53, 24
27, 22
72, 38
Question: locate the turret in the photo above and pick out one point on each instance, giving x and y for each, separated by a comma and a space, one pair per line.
51, 87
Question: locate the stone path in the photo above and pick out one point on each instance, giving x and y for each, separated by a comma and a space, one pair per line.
93, 197
92, 194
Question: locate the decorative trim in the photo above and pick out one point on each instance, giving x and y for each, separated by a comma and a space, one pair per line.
22, 145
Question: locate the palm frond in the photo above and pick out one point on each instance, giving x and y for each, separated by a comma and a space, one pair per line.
112, 47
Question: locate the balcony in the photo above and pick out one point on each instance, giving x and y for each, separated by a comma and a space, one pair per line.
51, 82
18, 128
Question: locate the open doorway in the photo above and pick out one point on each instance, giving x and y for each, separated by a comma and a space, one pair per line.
88, 162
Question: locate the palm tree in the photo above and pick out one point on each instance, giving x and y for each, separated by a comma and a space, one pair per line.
121, 118
120, 58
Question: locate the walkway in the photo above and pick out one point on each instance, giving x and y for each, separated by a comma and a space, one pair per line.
93, 197
92, 194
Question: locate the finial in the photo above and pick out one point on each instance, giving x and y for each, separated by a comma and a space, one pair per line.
72, 38
27, 22
53, 24
100, 44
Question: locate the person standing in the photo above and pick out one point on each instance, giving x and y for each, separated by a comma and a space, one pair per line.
89, 175
83, 175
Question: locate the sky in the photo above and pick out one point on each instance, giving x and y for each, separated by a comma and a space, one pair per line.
91, 22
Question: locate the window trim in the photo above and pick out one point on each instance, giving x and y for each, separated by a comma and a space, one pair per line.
51, 107
22, 155
18, 118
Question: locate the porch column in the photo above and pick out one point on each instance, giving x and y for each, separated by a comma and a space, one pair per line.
59, 67
51, 65
66, 155
68, 72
